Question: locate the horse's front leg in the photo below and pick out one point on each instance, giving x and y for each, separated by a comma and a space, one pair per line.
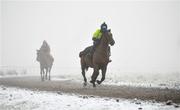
103, 75
50, 73
46, 73
41, 74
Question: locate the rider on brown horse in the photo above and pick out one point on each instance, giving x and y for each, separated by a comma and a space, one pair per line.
97, 37
99, 55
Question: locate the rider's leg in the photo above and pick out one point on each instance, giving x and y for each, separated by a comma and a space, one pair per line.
95, 43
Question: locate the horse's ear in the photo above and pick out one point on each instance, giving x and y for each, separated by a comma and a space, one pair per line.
109, 30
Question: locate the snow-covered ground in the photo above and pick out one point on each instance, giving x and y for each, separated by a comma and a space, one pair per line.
22, 99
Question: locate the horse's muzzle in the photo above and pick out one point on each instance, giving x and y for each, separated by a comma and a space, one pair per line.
112, 43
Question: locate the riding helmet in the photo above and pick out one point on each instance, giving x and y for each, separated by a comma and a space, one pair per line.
104, 27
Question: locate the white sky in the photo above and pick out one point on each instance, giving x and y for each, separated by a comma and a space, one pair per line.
147, 34
0, 32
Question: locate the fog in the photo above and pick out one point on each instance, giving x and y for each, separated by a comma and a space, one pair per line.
0, 32
147, 33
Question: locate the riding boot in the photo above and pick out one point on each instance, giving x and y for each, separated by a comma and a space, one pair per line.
95, 43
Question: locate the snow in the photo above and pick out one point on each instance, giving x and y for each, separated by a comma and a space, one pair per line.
23, 99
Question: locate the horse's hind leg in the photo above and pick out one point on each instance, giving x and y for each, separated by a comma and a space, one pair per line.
46, 73
41, 75
103, 75
94, 76
84, 76
50, 73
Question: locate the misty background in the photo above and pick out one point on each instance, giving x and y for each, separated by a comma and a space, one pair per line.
147, 33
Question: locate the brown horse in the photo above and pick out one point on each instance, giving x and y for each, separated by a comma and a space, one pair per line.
100, 58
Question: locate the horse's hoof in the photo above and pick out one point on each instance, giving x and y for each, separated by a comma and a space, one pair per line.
94, 85
99, 82
85, 84
91, 81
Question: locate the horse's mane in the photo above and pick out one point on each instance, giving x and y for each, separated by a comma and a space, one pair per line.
107, 32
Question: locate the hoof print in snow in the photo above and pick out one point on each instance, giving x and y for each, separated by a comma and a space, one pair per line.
92, 96
169, 102
117, 100
153, 101
138, 103
106, 99
85, 97
140, 108
3, 88
59, 93
176, 106
10, 95
80, 96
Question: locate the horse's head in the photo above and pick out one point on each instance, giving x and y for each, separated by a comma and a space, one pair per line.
38, 55
109, 37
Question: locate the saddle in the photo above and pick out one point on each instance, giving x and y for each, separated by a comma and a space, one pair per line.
87, 50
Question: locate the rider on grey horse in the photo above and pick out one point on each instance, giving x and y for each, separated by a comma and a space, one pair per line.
45, 50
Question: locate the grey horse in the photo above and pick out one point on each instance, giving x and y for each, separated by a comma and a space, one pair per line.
46, 62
